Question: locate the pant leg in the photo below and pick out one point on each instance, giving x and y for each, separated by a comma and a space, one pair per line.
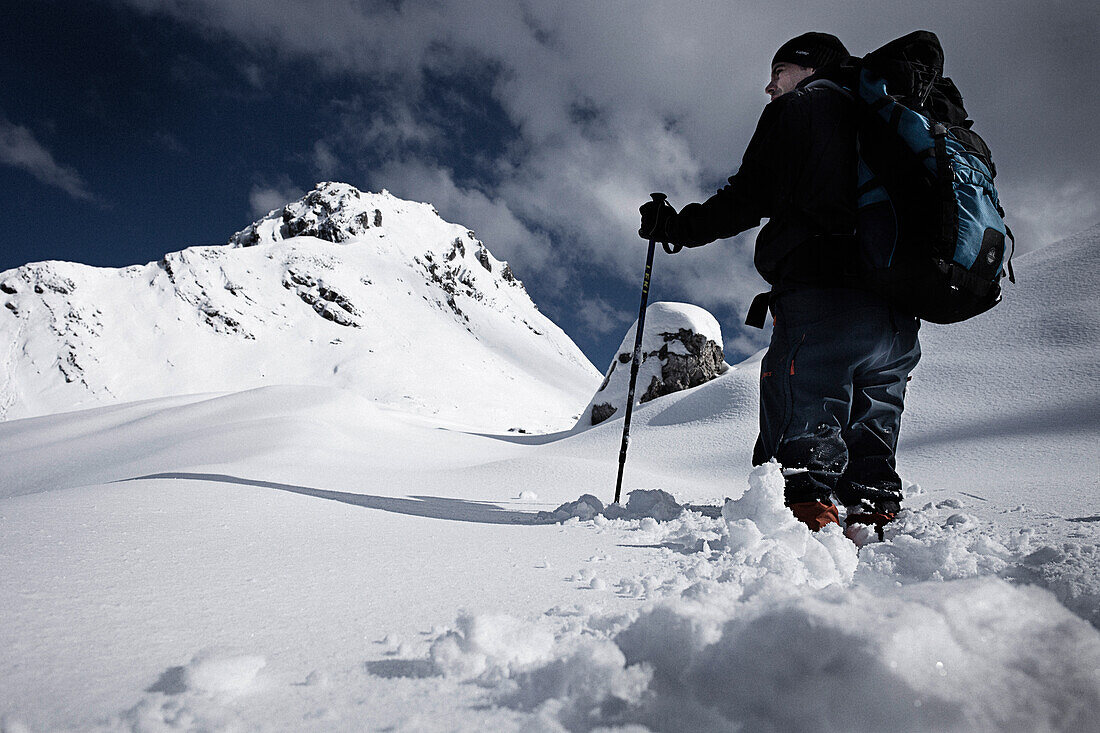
872, 432
806, 390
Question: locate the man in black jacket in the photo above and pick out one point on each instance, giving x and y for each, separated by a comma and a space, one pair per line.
833, 379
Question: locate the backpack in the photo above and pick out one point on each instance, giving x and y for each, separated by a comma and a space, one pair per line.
930, 228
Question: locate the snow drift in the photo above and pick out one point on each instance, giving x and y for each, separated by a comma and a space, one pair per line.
772, 629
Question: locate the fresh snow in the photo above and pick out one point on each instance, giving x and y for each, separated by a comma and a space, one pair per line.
307, 557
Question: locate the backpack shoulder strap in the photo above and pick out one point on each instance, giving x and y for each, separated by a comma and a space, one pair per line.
829, 84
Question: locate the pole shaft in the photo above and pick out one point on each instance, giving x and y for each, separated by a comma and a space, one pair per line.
634, 368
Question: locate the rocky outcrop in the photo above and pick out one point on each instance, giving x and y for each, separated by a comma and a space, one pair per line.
334, 212
703, 362
681, 349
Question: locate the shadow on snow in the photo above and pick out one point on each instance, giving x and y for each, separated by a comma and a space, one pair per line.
432, 507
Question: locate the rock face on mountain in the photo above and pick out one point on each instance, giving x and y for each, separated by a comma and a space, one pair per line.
334, 212
681, 348
342, 288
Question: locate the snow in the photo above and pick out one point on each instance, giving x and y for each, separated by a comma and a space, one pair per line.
766, 541
308, 557
653, 504
665, 317
214, 673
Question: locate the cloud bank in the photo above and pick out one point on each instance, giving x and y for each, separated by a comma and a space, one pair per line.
605, 102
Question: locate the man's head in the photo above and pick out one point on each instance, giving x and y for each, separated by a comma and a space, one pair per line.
800, 57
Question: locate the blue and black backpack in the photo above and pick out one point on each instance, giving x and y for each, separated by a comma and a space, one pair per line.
930, 227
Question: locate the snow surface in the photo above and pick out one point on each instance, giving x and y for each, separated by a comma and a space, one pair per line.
304, 558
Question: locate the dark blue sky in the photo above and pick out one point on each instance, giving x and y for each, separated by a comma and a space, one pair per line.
158, 124
132, 128
158, 133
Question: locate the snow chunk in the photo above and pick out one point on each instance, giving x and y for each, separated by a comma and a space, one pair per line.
216, 673
491, 646
589, 678
585, 508
766, 539
641, 504
923, 545
960, 649
646, 504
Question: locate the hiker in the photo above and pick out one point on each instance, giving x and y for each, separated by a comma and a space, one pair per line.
832, 383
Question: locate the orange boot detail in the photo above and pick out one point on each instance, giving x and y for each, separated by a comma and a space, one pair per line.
815, 514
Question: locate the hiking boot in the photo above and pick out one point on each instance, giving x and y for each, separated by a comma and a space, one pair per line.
870, 518
815, 514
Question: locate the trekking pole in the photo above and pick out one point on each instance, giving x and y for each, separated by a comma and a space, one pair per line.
658, 197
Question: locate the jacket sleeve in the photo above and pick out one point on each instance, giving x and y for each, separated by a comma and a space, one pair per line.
740, 204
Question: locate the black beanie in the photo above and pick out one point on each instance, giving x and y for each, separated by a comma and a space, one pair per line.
813, 50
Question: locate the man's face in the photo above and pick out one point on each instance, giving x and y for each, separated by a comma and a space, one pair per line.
785, 77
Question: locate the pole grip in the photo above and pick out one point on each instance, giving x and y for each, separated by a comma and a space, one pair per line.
669, 248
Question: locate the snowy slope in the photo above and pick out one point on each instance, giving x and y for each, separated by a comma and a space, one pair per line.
354, 290
1002, 398
303, 558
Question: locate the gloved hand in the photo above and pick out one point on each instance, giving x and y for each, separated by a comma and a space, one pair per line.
655, 218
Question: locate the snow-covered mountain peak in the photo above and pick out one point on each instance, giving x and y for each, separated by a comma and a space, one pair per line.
361, 291
342, 214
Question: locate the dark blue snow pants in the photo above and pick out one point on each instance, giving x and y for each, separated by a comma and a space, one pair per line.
832, 389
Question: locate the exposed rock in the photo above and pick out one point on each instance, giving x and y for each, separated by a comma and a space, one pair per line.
331, 211
483, 258
325, 300
703, 362
602, 411
458, 249
681, 349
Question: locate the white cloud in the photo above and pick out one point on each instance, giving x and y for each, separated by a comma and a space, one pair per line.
325, 161
1045, 213
264, 198
612, 100
254, 75
20, 149
494, 222
596, 316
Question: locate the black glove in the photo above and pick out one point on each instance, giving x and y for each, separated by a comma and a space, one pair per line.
655, 218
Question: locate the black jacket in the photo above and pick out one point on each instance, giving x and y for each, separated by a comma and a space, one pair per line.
799, 172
